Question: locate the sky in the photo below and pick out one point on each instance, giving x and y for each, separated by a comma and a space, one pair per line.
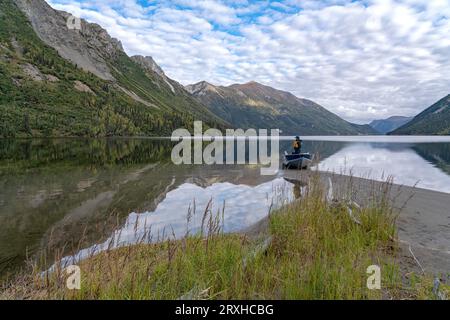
361, 59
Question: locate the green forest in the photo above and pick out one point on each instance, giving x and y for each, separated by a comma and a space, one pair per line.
434, 120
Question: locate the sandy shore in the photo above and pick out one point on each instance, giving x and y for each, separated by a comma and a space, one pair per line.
423, 222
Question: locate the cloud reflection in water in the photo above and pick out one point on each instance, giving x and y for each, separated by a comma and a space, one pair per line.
381, 160
244, 206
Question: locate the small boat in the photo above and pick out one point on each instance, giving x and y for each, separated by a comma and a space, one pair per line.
296, 160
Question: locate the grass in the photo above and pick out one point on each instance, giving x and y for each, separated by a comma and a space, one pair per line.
312, 249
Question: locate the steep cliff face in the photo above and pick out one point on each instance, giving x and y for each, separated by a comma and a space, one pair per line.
151, 67
89, 47
149, 64
60, 81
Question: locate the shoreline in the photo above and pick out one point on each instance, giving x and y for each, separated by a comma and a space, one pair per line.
423, 221
287, 250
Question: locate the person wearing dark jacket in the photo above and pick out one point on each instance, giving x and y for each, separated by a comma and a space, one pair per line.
297, 145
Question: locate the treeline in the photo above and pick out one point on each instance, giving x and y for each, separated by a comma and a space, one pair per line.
20, 155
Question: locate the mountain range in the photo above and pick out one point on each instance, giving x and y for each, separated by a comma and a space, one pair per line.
61, 81
253, 105
57, 81
385, 126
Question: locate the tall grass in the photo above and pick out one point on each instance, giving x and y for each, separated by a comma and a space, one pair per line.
313, 248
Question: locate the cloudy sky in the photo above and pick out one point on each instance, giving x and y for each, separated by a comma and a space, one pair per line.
362, 59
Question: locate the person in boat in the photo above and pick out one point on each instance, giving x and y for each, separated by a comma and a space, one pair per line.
297, 145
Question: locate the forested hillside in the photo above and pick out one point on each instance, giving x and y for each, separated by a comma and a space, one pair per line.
43, 94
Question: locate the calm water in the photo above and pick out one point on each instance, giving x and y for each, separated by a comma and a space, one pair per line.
54, 191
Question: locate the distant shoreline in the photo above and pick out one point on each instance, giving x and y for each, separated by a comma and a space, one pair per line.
382, 139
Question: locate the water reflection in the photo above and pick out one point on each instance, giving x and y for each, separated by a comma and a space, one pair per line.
401, 161
51, 190
436, 153
238, 207
74, 193
54, 191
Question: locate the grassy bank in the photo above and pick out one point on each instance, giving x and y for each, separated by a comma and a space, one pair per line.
312, 249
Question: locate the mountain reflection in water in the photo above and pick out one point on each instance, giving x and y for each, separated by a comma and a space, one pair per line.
423, 165
241, 205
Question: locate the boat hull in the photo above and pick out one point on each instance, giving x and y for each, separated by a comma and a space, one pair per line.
297, 161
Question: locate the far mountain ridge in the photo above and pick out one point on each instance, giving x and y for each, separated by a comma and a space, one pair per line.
390, 124
254, 105
57, 81
435, 120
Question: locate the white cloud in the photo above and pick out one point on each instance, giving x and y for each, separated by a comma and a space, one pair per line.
362, 60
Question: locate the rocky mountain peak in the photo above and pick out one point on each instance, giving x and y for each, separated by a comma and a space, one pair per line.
149, 64
201, 87
256, 90
89, 46
254, 105
252, 84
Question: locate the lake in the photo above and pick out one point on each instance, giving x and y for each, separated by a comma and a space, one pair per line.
81, 193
